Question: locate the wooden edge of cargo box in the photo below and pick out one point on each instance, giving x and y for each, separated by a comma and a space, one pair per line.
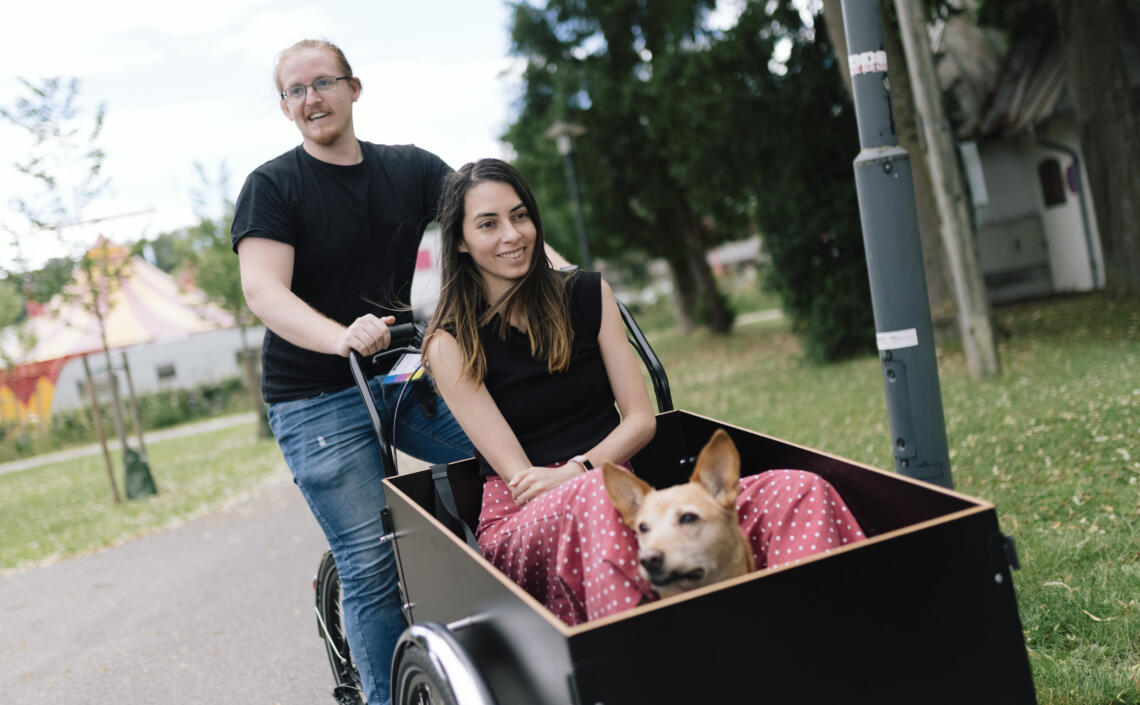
758, 574
840, 458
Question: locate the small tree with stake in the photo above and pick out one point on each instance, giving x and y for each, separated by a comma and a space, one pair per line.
67, 163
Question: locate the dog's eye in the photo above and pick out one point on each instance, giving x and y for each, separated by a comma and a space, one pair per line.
643, 527
688, 518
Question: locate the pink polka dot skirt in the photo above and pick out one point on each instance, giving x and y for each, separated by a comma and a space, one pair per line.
570, 549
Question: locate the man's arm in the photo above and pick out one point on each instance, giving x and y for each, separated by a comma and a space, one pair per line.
557, 261
266, 275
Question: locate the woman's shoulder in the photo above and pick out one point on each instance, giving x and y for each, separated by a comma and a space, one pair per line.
584, 284
586, 299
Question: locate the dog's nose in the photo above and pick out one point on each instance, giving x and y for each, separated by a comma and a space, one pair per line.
652, 562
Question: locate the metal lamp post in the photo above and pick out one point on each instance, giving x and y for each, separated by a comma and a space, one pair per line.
904, 332
563, 133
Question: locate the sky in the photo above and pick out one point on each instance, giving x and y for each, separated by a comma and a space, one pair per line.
192, 82
187, 82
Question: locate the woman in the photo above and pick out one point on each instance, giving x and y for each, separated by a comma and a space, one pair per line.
531, 362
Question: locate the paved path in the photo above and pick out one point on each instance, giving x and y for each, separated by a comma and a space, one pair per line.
759, 316
218, 610
150, 436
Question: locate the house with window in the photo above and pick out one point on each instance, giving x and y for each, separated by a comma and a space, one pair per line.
1021, 153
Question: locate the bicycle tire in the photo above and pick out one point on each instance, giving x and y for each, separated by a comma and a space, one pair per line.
431, 667
419, 681
330, 629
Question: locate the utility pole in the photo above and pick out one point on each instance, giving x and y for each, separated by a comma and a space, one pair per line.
975, 323
903, 329
563, 134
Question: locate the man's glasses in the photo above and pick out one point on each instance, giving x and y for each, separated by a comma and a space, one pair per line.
323, 85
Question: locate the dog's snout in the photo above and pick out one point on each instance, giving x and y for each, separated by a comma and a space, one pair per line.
652, 562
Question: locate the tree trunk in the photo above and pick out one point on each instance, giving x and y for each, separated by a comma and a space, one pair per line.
939, 288
1099, 38
134, 403
713, 310
684, 292
956, 229
97, 422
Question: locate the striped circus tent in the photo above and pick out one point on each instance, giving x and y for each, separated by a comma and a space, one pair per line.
142, 304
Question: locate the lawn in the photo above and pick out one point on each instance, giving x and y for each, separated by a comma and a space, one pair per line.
1052, 442
62, 509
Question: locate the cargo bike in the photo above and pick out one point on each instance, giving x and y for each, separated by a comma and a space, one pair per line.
924, 608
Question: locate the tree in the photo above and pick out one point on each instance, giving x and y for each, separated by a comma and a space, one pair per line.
42, 284
607, 66
209, 254
975, 324
1101, 44
13, 312
804, 190
11, 303
65, 158
168, 251
696, 135
65, 162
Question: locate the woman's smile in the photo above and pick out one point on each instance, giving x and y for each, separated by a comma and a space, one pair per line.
498, 235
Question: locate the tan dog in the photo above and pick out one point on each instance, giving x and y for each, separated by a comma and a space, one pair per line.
689, 534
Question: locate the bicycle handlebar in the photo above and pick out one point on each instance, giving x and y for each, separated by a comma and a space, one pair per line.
405, 338
405, 334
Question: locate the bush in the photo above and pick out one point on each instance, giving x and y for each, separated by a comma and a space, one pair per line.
159, 410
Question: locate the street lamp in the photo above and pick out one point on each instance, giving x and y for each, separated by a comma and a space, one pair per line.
563, 133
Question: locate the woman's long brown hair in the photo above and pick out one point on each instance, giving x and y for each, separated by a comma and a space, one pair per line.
540, 296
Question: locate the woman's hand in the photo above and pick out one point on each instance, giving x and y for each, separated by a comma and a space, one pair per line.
533, 481
367, 335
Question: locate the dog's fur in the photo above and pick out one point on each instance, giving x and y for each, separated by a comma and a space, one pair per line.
688, 535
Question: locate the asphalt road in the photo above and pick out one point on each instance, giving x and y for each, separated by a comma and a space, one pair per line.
217, 610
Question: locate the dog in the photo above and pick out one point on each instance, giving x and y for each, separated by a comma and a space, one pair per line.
688, 535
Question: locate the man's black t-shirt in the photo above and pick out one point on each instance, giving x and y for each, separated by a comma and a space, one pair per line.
554, 416
355, 231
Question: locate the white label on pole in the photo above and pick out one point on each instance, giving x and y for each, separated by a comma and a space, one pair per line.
867, 62
895, 339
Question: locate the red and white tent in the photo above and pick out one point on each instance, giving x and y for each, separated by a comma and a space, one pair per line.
142, 304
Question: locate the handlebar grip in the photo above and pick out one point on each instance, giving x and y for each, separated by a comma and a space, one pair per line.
402, 334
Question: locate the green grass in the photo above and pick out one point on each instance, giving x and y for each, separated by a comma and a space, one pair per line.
62, 509
1054, 443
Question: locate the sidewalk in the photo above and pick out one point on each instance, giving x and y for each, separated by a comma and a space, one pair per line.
113, 444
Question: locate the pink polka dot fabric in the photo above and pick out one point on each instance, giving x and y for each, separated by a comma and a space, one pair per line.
570, 549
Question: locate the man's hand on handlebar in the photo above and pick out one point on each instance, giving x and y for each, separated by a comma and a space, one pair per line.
367, 335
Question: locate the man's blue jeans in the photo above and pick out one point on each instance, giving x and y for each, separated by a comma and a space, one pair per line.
331, 449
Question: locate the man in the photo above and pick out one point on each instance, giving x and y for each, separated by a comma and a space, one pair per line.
327, 236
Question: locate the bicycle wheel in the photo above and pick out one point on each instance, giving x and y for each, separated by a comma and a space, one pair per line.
431, 667
330, 628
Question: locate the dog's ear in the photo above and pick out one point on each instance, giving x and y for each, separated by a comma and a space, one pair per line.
626, 490
718, 468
